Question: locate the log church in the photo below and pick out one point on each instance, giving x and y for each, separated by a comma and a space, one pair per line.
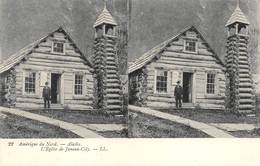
55, 59
186, 57
207, 82
75, 82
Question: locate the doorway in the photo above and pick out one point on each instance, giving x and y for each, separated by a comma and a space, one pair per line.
55, 88
187, 87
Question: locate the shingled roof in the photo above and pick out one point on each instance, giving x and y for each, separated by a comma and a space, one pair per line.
105, 17
18, 56
151, 54
237, 16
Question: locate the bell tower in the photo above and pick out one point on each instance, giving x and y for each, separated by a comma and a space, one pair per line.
240, 90
108, 90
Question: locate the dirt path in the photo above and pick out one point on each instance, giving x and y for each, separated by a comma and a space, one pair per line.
80, 131
208, 129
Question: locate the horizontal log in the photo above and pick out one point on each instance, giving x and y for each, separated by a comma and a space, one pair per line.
54, 68
43, 49
195, 60
55, 63
80, 107
186, 68
46, 44
212, 106
41, 55
70, 54
190, 64
29, 100
216, 101
246, 106
202, 52
161, 99
57, 58
80, 102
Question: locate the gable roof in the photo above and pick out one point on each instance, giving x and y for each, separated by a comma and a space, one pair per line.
151, 54
105, 17
237, 16
18, 56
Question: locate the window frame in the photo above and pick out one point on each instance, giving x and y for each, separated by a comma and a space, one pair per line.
167, 81
35, 83
53, 42
191, 40
214, 84
82, 85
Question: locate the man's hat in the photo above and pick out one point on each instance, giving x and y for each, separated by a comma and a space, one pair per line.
178, 82
46, 83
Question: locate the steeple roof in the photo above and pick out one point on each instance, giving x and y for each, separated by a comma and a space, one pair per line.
238, 16
105, 17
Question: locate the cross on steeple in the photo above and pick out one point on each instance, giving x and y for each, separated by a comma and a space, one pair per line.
105, 4
238, 1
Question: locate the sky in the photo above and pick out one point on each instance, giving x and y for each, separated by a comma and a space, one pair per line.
154, 21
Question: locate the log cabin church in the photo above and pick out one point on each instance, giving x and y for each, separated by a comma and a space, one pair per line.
55, 59
207, 82
75, 83
186, 57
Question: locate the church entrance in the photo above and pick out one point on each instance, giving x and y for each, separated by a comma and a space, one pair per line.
187, 87
55, 88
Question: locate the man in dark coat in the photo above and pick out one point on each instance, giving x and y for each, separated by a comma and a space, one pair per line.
46, 94
178, 95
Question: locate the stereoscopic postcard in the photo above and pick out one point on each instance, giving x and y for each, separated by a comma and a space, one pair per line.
86, 77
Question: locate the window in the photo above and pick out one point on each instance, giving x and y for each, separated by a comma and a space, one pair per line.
30, 82
58, 47
190, 46
211, 83
161, 81
78, 86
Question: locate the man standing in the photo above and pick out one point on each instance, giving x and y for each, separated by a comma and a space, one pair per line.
46, 94
178, 95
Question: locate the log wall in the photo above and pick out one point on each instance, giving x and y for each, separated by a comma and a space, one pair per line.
138, 87
241, 94
108, 86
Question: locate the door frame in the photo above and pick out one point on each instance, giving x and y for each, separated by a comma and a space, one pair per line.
61, 87
193, 85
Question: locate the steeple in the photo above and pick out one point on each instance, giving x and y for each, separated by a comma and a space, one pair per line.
240, 93
108, 90
105, 22
238, 21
